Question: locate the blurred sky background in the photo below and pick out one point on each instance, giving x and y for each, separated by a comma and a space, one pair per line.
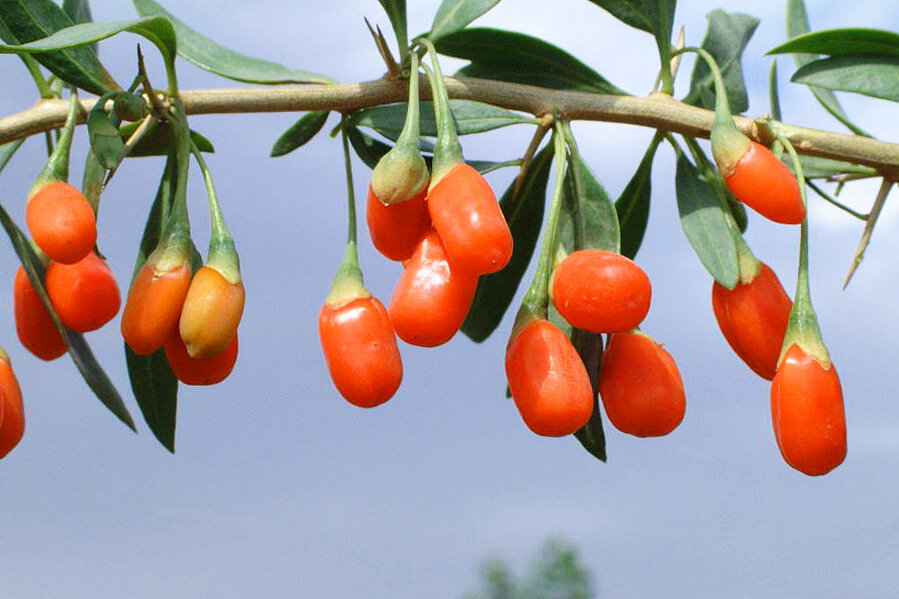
280, 488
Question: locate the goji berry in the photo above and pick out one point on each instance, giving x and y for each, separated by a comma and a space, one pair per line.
360, 351
61, 222
469, 221
84, 295
13, 425
211, 312
807, 413
396, 229
34, 326
765, 184
753, 318
432, 297
600, 291
153, 306
200, 371
640, 386
548, 380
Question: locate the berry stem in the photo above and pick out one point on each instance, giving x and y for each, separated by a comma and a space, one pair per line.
411, 132
447, 150
222, 253
57, 165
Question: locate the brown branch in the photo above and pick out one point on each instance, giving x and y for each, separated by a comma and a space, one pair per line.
657, 111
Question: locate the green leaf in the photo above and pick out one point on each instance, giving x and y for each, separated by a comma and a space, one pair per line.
80, 12
867, 74
725, 39
588, 219
157, 30
30, 20
152, 381
300, 132
106, 144
159, 141
217, 59
78, 348
814, 167
453, 15
842, 42
396, 12
471, 117
633, 203
591, 435
524, 213
7, 150
797, 24
705, 224
653, 16
519, 58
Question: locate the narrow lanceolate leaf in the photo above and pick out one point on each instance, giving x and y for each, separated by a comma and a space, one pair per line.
520, 58
159, 140
7, 150
588, 219
632, 205
653, 16
29, 20
78, 348
80, 12
867, 74
471, 117
524, 213
705, 224
797, 24
842, 42
300, 132
725, 39
396, 12
157, 30
814, 167
591, 435
217, 59
152, 381
453, 15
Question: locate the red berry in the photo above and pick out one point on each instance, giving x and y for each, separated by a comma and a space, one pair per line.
200, 371
34, 326
13, 426
432, 297
61, 222
548, 380
753, 318
360, 350
766, 185
153, 306
396, 229
470, 222
807, 413
640, 386
84, 295
600, 291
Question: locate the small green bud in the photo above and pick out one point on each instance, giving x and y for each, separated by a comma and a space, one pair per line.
400, 175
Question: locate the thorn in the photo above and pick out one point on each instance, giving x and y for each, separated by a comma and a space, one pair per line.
679, 44
882, 193
393, 69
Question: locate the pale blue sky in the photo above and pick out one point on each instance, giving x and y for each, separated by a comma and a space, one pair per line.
280, 488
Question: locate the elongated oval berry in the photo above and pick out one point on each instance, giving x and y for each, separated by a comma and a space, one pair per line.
360, 351
396, 229
640, 386
753, 318
200, 371
85, 294
34, 326
211, 312
766, 185
432, 297
548, 380
468, 218
153, 306
61, 222
600, 291
807, 413
13, 426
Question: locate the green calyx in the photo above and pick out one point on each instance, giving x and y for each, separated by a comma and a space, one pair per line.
57, 166
749, 265
173, 250
447, 150
402, 173
347, 284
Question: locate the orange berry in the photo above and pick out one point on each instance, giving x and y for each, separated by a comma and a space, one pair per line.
34, 326
211, 312
396, 229
360, 350
85, 294
61, 222
766, 185
13, 425
548, 380
153, 306
200, 371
